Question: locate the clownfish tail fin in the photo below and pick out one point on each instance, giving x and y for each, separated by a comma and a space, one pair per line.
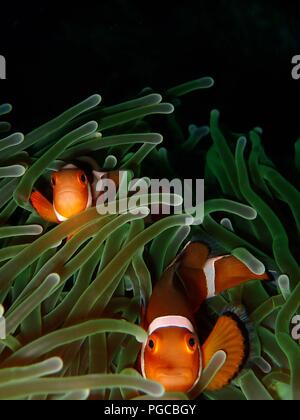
231, 272
231, 334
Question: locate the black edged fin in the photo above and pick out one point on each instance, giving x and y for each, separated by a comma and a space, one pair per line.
216, 249
232, 335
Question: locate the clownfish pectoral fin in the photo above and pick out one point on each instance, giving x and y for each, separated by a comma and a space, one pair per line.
230, 336
43, 207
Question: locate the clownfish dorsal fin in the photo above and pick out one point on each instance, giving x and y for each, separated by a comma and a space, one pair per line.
231, 336
69, 166
93, 165
189, 269
194, 255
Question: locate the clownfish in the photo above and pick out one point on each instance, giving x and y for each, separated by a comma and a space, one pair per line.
173, 354
73, 193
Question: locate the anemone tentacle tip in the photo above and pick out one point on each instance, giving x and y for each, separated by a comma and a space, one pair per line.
53, 279
170, 108
96, 98
56, 363
210, 81
215, 113
242, 141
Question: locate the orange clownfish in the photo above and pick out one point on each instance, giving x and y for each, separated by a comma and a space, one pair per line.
73, 193
173, 354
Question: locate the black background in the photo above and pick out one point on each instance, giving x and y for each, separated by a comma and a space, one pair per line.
59, 54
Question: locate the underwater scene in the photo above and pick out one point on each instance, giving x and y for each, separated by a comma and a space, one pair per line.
149, 244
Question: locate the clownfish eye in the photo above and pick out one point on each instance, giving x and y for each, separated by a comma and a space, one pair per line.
151, 344
83, 178
191, 342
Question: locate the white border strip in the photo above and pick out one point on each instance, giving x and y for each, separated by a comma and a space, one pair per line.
170, 321
210, 274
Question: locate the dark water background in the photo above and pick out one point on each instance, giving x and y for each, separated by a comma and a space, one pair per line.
59, 54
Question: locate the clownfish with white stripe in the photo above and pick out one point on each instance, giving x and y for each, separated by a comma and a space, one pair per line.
73, 192
173, 354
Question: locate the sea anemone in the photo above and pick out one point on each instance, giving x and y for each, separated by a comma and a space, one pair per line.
72, 308
272, 238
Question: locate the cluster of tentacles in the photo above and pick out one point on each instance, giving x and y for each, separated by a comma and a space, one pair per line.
72, 308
